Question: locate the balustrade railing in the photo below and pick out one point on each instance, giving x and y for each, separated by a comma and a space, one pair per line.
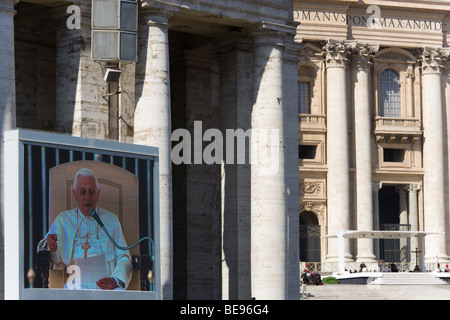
354, 267
397, 124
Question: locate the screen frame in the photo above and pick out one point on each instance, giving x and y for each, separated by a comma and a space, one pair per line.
14, 242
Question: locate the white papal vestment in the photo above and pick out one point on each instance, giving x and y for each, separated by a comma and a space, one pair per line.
81, 242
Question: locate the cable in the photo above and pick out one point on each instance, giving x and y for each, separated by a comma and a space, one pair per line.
100, 223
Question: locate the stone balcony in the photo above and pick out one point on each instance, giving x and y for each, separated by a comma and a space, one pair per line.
400, 130
397, 129
312, 122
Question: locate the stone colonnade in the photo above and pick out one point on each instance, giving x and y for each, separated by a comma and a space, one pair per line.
271, 275
337, 55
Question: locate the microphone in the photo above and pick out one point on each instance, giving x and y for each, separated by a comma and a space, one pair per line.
94, 214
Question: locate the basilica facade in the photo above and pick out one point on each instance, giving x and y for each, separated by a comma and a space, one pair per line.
351, 96
373, 129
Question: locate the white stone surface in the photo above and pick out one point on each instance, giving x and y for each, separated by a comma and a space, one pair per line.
152, 123
433, 153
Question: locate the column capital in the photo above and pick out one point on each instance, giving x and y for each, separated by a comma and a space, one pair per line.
336, 53
267, 33
433, 60
401, 188
8, 6
364, 53
376, 186
155, 16
414, 187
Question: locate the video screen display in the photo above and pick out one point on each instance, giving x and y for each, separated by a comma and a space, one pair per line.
88, 219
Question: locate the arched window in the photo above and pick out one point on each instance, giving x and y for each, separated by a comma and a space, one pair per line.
390, 105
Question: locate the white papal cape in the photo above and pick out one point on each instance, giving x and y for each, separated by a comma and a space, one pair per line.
118, 262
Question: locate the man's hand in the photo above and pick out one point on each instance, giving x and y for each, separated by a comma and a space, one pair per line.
107, 284
52, 243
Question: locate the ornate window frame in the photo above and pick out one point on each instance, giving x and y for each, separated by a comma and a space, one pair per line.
403, 63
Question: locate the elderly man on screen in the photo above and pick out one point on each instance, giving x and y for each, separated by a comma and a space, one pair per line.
77, 242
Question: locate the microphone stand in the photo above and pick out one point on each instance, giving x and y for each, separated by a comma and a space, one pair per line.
94, 214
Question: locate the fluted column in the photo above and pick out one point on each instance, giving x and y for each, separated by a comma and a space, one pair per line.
433, 155
336, 54
152, 122
268, 203
364, 206
7, 98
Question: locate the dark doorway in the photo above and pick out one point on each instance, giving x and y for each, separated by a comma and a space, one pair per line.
392, 250
309, 237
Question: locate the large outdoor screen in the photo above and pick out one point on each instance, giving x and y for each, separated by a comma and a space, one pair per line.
81, 218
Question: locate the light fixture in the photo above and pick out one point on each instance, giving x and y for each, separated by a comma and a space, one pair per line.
112, 75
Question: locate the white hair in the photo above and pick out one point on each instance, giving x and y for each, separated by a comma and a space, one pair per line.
85, 173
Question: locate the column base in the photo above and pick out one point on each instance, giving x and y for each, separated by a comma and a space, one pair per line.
331, 264
347, 257
369, 258
441, 258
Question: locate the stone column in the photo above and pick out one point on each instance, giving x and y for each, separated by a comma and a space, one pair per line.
336, 54
7, 67
268, 188
376, 186
403, 219
433, 155
364, 204
203, 211
413, 216
291, 96
152, 122
7, 98
81, 108
236, 59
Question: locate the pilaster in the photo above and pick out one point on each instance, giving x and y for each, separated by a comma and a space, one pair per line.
362, 65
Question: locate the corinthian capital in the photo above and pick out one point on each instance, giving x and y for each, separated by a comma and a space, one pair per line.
433, 60
336, 52
364, 54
